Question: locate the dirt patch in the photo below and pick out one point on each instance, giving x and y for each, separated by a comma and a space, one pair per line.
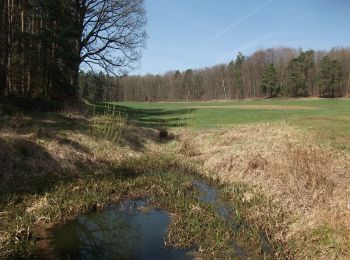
259, 107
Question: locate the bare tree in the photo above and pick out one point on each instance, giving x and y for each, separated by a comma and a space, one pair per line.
112, 34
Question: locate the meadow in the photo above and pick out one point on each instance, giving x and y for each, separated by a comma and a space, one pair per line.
282, 164
328, 119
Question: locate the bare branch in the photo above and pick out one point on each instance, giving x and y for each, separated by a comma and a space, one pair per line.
113, 33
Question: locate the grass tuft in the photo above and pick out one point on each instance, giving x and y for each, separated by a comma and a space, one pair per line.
109, 125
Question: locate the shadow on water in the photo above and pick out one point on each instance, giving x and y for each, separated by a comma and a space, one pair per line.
152, 118
127, 231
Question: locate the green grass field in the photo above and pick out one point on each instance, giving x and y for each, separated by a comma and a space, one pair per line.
329, 119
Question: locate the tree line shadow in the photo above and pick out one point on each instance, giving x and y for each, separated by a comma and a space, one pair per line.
150, 118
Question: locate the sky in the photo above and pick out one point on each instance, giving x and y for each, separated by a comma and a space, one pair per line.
195, 34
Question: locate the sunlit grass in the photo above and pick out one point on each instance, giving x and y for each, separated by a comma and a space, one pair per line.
329, 119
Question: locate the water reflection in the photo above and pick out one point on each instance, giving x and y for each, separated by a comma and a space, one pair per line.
120, 232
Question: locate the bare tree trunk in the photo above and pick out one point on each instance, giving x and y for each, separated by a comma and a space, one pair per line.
9, 42
51, 58
21, 87
224, 88
3, 48
40, 54
29, 78
243, 92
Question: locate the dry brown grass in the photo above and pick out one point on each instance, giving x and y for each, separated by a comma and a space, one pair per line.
310, 183
188, 148
43, 153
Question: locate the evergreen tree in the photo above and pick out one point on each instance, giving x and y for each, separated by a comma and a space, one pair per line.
296, 78
330, 77
238, 75
301, 74
269, 81
309, 70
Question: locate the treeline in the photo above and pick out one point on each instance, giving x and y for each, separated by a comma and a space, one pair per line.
44, 42
266, 73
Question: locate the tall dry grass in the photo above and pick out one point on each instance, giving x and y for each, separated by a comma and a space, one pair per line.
109, 124
307, 183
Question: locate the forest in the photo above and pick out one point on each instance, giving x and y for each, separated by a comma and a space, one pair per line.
43, 43
272, 72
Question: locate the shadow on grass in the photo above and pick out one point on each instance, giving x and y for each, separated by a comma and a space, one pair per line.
24, 123
26, 167
29, 168
151, 118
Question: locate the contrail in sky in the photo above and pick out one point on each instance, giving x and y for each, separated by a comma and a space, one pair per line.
228, 28
231, 26
223, 57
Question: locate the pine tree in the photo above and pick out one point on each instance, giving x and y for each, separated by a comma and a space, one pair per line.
296, 78
269, 81
238, 75
330, 77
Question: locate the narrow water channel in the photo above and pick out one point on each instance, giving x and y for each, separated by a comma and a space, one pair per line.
209, 194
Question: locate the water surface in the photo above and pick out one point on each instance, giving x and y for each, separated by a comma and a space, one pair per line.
127, 231
133, 230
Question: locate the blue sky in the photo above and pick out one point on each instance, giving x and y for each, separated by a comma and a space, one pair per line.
201, 33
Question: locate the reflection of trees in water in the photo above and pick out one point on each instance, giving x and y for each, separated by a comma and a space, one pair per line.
110, 234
